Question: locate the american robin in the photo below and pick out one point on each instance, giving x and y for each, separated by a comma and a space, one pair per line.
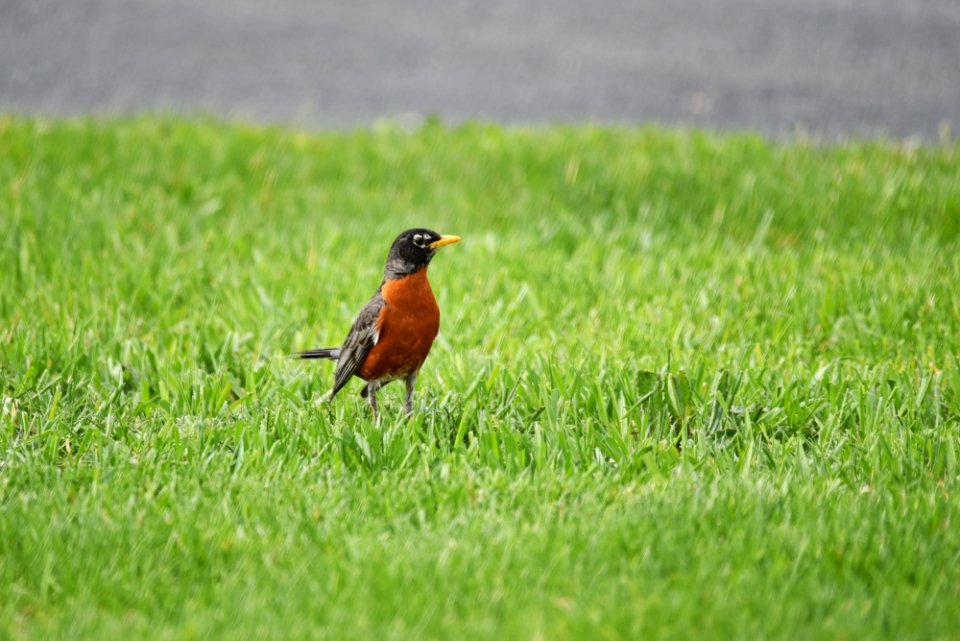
393, 333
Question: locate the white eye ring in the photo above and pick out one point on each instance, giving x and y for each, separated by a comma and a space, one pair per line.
418, 240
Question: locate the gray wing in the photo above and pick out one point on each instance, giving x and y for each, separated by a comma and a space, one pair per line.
361, 339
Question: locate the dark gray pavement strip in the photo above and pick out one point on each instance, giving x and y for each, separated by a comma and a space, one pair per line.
831, 67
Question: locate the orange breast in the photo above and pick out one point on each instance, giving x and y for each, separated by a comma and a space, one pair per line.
409, 322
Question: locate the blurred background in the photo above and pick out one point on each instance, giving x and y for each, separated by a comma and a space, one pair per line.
825, 67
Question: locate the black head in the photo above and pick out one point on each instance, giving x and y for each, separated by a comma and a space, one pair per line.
413, 250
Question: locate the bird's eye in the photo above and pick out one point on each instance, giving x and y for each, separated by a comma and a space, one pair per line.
418, 240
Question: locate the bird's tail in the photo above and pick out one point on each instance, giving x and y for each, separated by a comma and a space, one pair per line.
329, 353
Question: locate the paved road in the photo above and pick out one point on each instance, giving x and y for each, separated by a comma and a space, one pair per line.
832, 67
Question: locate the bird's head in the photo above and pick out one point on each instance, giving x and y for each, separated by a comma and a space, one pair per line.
413, 250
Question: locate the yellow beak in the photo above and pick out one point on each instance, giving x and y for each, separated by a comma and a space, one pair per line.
444, 240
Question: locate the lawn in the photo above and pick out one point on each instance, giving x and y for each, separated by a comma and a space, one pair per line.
687, 385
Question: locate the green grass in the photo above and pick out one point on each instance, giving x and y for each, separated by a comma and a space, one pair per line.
687, 386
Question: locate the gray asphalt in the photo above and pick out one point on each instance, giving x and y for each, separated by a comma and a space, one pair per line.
828, 67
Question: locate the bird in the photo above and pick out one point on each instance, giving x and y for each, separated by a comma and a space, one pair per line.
392, 335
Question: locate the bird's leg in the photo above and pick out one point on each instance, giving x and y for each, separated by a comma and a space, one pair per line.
411, 384
372, 398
